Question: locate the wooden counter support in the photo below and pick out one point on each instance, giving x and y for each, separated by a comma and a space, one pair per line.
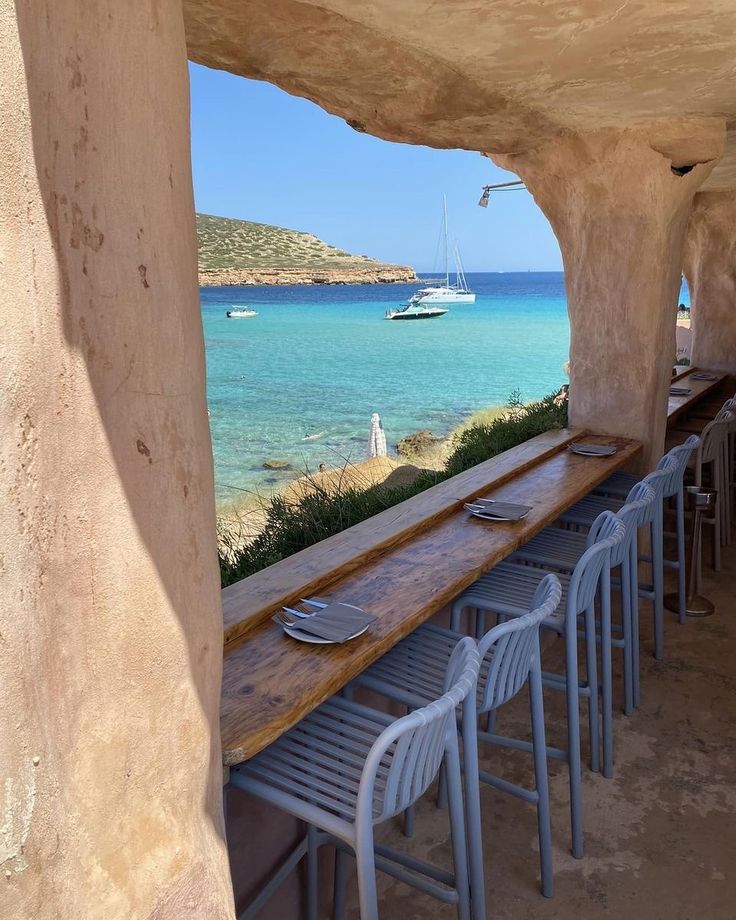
271, 681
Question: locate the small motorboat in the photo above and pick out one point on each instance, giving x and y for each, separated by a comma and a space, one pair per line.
240, 313
416, 311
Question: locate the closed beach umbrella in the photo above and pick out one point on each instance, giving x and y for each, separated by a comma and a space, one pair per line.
377, 438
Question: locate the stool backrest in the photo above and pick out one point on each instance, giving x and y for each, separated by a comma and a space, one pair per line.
660, 480
606, 533
639, 510
711, 444
730, 405
681, 455
507, 650
406, 756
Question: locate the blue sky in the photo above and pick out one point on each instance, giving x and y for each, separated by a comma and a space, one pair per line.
260, 154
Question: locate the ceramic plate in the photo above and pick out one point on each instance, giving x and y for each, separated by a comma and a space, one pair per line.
484, 516
317, 640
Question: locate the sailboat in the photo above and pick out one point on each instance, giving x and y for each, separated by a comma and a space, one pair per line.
446, 293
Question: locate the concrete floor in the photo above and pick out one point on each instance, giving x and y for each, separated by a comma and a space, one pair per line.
660, 835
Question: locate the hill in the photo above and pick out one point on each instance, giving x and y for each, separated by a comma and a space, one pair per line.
242, 252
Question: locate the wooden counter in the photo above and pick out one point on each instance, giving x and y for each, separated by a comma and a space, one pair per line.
249, 602
679, 405
271, 681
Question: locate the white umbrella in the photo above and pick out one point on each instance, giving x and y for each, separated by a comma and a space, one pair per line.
376, 437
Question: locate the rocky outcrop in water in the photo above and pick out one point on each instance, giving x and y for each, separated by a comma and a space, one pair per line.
418, 444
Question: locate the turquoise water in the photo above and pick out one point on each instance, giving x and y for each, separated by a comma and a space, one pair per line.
322, 359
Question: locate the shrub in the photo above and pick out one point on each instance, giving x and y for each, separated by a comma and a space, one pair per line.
293, 525
519, 423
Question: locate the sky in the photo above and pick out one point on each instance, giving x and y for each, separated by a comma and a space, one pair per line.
260, 154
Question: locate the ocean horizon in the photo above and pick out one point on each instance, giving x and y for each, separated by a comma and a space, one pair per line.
299, 382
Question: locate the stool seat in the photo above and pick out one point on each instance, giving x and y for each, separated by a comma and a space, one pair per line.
319, 762
509, 588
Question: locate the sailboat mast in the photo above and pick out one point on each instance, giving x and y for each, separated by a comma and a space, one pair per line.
447, 262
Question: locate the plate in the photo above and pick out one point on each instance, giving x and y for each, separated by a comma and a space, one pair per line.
599, 450
317, 640
484, 516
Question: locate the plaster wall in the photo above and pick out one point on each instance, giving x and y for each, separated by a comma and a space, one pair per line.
620, 215
710, 269
110, 625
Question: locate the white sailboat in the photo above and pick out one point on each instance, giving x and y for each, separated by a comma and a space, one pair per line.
446, 293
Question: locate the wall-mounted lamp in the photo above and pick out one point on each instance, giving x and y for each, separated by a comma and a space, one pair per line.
501, 186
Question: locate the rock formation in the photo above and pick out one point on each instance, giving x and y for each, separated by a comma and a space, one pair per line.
382, 274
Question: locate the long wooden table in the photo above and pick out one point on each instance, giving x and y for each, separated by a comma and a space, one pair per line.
679, 405
271, 681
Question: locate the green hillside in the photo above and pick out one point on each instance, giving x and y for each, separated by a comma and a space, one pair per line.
225, 243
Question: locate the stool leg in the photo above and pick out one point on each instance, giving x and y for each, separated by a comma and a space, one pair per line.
539, 745
456, 616
472, 807
573, 735
341, 884
366, 862
457, 827
442, 788
626, 625
409, 815
606, 674
634, 582
658, 584
681, 561
591, 667
312, 874
717, 535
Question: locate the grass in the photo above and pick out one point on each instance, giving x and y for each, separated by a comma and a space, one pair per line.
226, 243
292, 526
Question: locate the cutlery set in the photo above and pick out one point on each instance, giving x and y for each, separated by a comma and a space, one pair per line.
323, 623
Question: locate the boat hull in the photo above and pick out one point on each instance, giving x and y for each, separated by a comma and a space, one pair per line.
448, 297
423, 314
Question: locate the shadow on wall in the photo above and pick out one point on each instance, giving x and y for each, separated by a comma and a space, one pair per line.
121, 489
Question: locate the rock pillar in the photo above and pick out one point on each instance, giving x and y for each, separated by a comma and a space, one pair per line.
710, 268
110, 624
619, 211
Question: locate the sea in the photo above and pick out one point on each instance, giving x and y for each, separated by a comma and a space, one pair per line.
298, 383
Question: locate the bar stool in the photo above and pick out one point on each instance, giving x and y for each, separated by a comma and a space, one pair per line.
584, 512
410, 673
508, 590
710, 463
560, 550
619, 485
697, 424
346, 768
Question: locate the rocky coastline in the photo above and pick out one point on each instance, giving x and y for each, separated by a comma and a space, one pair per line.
380, 274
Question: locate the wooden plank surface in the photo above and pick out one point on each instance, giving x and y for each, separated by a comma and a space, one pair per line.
678, 405
251, 601
271, 681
